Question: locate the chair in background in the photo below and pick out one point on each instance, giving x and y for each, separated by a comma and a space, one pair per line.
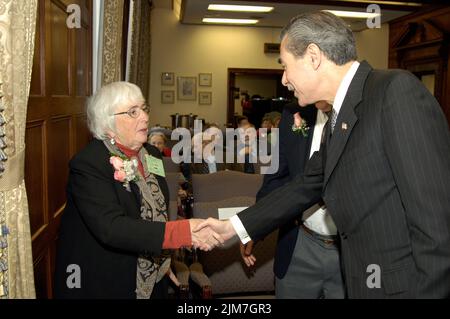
201, 280
224, 265
170, 166
172, 171
179, 265
258, 165
184, 265
173, 182
183, 273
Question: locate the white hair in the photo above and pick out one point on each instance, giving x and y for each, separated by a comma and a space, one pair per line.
103, 104
157, 133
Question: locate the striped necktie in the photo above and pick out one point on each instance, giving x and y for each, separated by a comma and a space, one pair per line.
333, 117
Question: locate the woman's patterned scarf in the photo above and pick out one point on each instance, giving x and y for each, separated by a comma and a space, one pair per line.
150, 269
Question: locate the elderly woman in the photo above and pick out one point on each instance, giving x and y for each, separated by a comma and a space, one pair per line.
159, 140
114, 237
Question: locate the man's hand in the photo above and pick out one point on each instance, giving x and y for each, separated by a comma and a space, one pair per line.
204, 238
222, 227
246, 253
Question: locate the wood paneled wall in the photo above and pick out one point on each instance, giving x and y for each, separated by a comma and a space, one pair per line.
56, 124
420, 43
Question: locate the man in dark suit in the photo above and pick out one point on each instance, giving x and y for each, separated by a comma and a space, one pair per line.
383, 170
306, 263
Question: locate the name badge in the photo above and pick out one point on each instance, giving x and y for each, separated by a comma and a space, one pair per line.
155, 165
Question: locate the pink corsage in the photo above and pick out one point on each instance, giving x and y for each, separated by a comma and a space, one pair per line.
300, 125
125, 170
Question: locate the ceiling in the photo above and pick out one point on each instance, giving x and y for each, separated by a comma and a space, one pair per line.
193, 11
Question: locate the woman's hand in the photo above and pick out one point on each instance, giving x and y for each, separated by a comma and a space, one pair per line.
222, 227
206, 238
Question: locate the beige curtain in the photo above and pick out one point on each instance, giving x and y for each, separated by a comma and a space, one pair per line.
140, 46
17, 28
112, 41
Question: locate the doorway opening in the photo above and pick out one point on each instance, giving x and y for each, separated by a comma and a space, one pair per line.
255, 92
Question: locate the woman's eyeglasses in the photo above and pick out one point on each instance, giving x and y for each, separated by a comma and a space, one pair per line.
135, 111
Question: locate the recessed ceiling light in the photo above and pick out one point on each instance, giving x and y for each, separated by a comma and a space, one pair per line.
230, 21
394, 3
353, 14
237, 8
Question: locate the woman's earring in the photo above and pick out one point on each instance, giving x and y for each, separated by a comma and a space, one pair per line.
112, 141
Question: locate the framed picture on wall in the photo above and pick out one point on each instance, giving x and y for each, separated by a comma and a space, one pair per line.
204, 98
187, 88
205, 79
167, 97
167, 78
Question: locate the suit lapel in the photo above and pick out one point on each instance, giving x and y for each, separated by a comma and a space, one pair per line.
310, 135
346, 120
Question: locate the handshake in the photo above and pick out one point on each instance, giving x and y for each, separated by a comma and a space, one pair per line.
209, 233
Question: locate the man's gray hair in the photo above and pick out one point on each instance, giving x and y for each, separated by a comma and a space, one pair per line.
103, 104
329, 32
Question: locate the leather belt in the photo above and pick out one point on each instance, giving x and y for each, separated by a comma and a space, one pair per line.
331, 240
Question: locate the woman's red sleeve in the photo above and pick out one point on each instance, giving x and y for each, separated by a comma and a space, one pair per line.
177, 234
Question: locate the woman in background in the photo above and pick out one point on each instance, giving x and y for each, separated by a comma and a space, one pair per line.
159, 140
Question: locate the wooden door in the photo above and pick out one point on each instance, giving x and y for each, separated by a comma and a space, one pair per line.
56, 123
419, 43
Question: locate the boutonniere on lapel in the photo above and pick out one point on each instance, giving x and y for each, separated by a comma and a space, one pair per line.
125, 170
300, 126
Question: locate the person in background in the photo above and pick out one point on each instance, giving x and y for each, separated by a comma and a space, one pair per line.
243, 122
248, 147
306, 262
275, 118
114, 228
159, 140
245, 130
245, 102
266, 122
204, 157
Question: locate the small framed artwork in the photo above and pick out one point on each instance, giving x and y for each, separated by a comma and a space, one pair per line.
205, 79
167, 97
204, 98
187, 88
167, 78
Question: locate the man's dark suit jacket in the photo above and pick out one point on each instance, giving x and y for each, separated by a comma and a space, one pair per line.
101, 228
294, 151
385, 178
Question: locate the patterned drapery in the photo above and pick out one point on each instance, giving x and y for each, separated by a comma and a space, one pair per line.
17, 29
112, 53
112, 41
140, 46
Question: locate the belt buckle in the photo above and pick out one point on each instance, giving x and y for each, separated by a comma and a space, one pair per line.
314, 234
